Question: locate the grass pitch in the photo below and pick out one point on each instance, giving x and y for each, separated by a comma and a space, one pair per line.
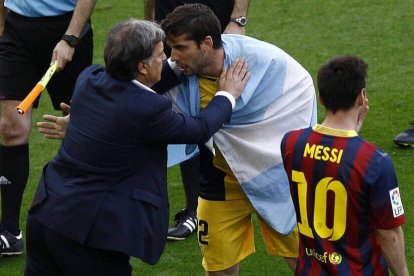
381, 32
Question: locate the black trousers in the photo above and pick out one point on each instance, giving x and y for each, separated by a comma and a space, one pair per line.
221, 8
49, 253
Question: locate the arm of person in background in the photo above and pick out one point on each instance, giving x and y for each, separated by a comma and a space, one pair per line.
392, 245
63, 52
2, 16
239, 9
54, 127
149, 10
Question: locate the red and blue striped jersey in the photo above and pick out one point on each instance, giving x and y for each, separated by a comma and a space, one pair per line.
343, 189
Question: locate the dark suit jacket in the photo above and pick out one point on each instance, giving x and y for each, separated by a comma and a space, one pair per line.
106, 187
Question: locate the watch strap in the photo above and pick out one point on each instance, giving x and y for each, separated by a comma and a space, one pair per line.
72, 40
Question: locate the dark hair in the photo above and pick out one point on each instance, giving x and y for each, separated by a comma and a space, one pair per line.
196, 21
128, 43
340, 80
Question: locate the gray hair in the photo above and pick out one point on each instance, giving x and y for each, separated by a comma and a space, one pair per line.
128, 43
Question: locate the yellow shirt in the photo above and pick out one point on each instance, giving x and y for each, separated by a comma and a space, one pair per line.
208, 88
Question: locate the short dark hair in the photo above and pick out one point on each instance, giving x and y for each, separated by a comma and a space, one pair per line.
196, 21
128, 43
340, 80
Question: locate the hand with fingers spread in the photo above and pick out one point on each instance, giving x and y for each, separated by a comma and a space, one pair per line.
235, 78
54, 127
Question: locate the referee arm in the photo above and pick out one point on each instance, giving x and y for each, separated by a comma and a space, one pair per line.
63, 52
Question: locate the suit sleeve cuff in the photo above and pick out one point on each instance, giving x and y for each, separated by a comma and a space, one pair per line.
228, 96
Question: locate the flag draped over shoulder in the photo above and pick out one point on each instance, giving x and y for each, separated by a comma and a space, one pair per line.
278, 97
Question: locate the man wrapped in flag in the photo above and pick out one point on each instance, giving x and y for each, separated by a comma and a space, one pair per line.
241, 167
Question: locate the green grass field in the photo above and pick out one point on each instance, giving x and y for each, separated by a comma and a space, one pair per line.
311, 31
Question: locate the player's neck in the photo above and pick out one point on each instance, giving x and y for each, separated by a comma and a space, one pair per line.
346, 120
215, 63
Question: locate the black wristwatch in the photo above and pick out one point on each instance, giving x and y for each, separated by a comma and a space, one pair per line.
72, 40
241, 20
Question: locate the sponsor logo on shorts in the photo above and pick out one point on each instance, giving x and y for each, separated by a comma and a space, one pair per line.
396, 203
334, 258
4, 180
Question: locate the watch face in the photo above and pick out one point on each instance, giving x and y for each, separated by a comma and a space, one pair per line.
71, 40
242, 21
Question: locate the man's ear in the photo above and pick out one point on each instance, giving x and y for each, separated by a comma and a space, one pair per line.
362, 97
207, 43
142, 68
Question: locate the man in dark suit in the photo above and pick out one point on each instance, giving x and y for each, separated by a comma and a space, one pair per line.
103, 198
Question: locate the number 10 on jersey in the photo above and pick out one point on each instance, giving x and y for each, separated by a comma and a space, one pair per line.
325, 185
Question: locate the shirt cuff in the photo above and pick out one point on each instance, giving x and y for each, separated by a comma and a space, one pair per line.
228, 96
174, 67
